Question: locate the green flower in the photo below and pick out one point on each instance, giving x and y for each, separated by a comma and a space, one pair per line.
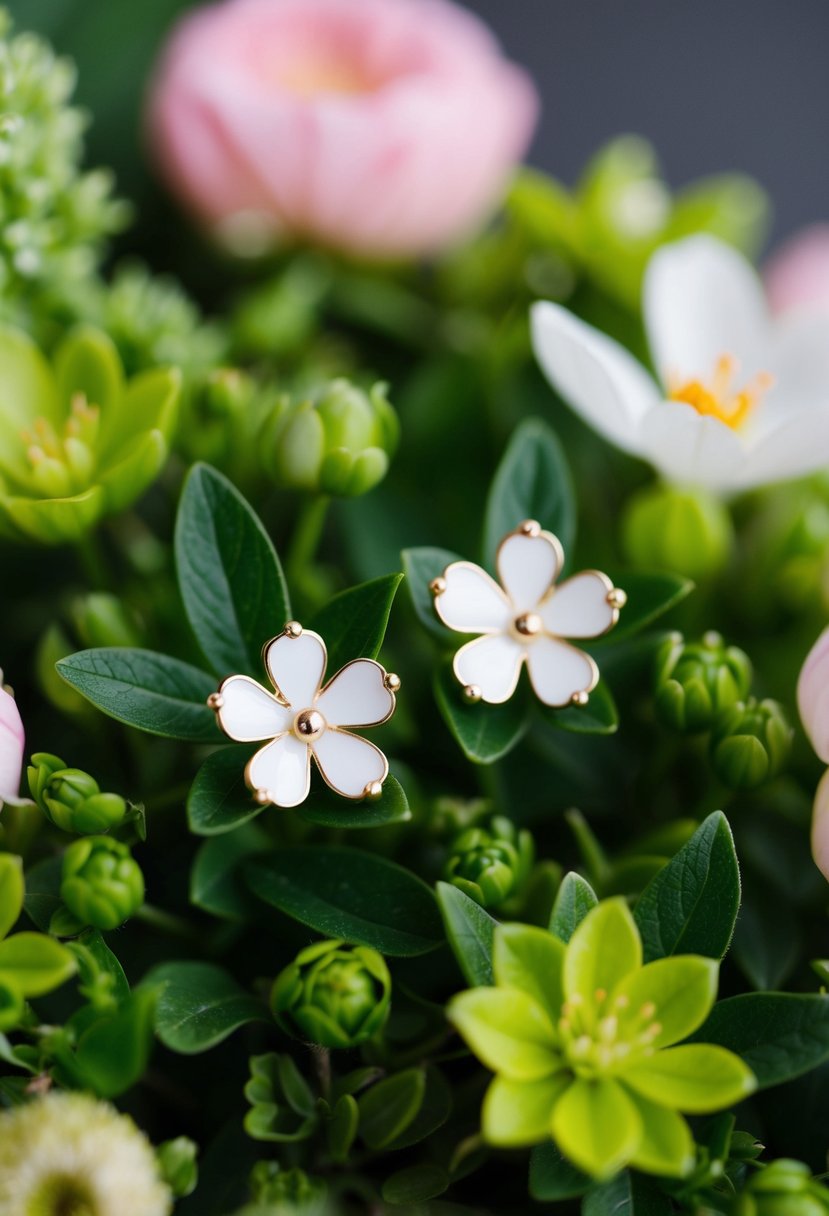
333, 994
102, 885
696, 681
72, 799
491, 864
750, 743
77, 442
582, 1037
783, 1188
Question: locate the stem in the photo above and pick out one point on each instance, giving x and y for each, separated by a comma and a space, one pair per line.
92, 561
167, 922
306, 538
322, 1067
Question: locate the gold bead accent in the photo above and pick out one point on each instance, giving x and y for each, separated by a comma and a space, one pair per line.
215, 701
437, 586
293, 629
580, 698
529, 625
373, 790
309, 725
392, 681
262, 797
617, 598
530, 527
472, 694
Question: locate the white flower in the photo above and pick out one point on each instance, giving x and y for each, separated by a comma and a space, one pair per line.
742, 398
70, 1153
302, 719
526, 621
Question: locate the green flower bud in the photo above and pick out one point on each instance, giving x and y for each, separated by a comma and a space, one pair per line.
102, 885
783, 1188
72, 799
177, 1165
338, 443
681, 531
333, 994
102, 620
491, 864
282, 1192
696, 681
750, 743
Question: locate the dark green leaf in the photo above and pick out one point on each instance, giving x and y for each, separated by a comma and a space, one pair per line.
390, 1106
691, 905
219, 800
215, 880
485, 732
42, 898
229, 574
149, 691
531, 482
343, 892
434, 1111
112, 1054
420, 567
574, 900
469, 929
552, 1177
626, 1195
342, 1127
353, 624
649, 596
780, 1035
106, 962
598, 717
416, 1184
199, 1005
767, 940
328, 810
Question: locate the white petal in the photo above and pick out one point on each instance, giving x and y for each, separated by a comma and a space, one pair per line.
348, 763
701, 300
795, 447
249, 712
691, 448
798, 358
283, 770
578, 608
527, 566
557, 671
296, 666
472, 602
356, 696
493, 663
596, 375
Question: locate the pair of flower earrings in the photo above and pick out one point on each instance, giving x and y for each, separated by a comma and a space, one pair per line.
525, 619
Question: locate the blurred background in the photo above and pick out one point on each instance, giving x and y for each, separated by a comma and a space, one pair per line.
714, 84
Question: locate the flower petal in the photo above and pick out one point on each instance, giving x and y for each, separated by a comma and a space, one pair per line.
356, 696
558, 671
348, 763
596, 1124
702, 300
249, 712
666, 1147
282, 770
680, 991
594, 374
12, 742
516, 1114
530, 959
527, 567
296, 666
472, 602
603, 951
796, 446
493, 663
692, 449
578, 607
507, 1031
697, 1078
813, 696
798, 359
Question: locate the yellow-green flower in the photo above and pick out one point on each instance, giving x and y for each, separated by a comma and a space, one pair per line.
77, 441
581, 1037
70, 1154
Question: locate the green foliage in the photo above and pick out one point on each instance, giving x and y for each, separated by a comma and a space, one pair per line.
199, 1005
750, 743
333, 994
677, 531
491, 864
282, 1105
71, 798
697, 681
102, 884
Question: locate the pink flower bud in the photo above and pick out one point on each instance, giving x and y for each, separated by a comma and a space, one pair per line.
379, 127
797, 274
820, 826
813, 696
12, 739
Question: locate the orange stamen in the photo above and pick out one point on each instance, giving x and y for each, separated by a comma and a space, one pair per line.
718, 399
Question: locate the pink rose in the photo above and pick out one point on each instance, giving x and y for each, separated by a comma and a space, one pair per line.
12, 739
797, 274
380, 127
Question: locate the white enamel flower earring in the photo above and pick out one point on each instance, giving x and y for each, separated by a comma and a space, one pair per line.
301, 719
526, 620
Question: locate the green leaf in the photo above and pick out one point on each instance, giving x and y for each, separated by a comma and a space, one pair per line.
433, 1113
105, 961
553, 1177
219, 801
11, 891
283, 1107
597, 1125
326, 809
199, 1005
485, 732
508, 1032
416, 1184
420, 567
112, 1054
149, 691
469, 931
216, 877
518, 1113
682, 988
531, 482
696, 1078
390, 1106
530, 959
35, 963
627, 1195
574, 900
347, 893
230, 578
604, 949
649, 596
691, 905
43, 891
779, 1035
598, 717
342, 1127
353, 624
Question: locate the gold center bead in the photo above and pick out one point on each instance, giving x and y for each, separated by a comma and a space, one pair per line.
309, 725
529, 625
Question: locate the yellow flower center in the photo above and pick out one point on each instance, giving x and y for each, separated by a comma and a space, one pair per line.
718, 398
599, 1038
63, 463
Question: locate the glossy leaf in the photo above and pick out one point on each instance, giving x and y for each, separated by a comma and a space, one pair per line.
553, 1177
390, 1106
219, 800
420, 567
485, 733
353, 624
574, 900
433, 1113
469, 930
627, 1195
416, 1184
598, 717
112, 1054
649, 596
779, 1035
691, 905
531, 482
216, 883
229, 575
199, 1005
35, 963
347, 893
326, 809
152, 692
